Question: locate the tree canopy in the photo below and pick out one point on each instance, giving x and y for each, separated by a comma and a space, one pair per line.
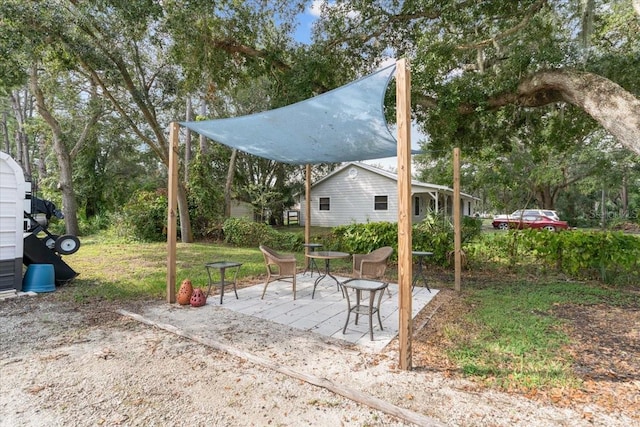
530, 80
472, 60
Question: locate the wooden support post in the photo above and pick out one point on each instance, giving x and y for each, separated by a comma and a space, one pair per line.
403, 118
172, 221
457, 224
307, 211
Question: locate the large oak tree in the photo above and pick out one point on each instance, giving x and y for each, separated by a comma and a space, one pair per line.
471, 58
474, 57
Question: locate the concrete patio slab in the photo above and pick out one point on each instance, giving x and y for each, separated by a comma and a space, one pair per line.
325, 314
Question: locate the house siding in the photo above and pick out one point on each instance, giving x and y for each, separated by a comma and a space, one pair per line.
352, 199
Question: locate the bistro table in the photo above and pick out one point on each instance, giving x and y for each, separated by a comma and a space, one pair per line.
419, 275
327, 256
222, 266
359, 285
311, 263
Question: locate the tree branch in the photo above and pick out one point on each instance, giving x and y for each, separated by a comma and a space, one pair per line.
233, 47
97, 113
609, 104
535, 8
400, 19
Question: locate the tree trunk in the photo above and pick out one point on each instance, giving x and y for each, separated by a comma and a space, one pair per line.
229, 183
204, 149
27, 160
603, 209
5, 134
545, 197
186, 234
187, 143
69, 204
16, 106
624, 198
43, 172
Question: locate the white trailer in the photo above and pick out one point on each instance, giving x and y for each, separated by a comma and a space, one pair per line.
13, 189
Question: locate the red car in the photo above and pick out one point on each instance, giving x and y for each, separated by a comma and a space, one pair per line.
530, 221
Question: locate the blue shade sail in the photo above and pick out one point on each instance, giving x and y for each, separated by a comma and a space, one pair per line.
341, 125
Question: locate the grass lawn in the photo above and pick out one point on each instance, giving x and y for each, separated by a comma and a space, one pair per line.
513, 337
116, 270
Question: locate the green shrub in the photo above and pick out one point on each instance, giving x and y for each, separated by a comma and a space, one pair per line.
433, 234
205, 196
245, 233
286, 241
95, 224
144, 216
613, 257
242, 232
364, 238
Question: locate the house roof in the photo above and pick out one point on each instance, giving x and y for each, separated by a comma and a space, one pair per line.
414, 183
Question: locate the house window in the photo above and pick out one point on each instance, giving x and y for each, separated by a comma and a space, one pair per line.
324, 204
416, 206
380, 203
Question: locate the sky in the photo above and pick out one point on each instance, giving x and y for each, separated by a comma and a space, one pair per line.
303, 34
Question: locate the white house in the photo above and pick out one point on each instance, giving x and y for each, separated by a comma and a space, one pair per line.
359, 193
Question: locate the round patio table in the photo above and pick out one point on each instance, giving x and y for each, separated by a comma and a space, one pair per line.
327, 256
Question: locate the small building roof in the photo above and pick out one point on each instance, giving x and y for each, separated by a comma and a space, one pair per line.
394, 177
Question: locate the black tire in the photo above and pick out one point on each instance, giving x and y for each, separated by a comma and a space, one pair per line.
67, 244
550, 227
503, 226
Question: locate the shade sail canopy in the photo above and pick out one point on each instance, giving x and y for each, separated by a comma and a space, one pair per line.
341, 125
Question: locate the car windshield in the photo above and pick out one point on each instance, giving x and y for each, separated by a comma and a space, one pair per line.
526, 212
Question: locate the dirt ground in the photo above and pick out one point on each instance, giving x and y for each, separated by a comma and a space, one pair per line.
64, 363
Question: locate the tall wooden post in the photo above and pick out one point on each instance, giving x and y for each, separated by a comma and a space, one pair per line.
403, 118
457, 225
307, 210
172, 220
